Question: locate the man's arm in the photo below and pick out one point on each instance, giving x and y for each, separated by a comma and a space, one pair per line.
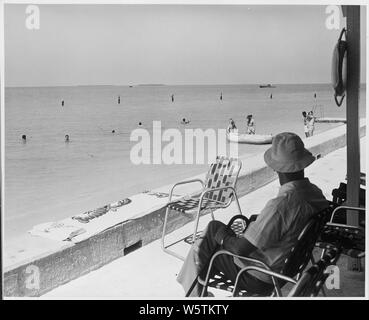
230, 242
261, 233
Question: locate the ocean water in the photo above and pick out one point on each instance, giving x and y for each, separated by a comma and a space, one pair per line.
47, 179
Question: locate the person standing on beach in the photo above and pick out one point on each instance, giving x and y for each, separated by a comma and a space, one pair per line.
250, 122
66, 138
232, 126
118, 99
306, 129
24, 138
62, 103
311, 123
315, 95
271, 96
221, 96
172, 97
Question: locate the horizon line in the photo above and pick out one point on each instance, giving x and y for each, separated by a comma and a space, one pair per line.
168, 85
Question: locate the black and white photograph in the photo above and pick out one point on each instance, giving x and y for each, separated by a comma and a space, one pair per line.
183, 151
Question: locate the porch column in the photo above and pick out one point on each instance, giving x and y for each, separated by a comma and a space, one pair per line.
352, 114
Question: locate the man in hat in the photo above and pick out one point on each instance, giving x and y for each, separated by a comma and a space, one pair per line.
274, 232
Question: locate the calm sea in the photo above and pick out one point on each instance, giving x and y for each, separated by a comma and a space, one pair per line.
47, 179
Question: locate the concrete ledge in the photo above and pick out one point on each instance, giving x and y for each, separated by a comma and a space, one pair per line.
35, 277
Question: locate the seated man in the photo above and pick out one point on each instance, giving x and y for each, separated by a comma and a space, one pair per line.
271, 236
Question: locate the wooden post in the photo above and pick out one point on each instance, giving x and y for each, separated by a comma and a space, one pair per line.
352, 114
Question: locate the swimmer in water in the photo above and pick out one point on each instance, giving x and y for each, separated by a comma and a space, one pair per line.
67, 138
113, 131
184, 121
140, 123
24, 138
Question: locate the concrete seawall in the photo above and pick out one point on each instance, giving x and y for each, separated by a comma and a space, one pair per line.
47, 270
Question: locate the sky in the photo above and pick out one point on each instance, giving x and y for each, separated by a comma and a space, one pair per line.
170, 44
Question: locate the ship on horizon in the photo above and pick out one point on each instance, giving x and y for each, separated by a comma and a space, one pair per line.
266, 86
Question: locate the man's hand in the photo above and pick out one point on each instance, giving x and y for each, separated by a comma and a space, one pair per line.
229, 241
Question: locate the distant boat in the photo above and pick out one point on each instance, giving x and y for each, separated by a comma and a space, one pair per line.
266, 86
250, 138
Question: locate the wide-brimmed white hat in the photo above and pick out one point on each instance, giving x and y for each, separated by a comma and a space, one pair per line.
288, 153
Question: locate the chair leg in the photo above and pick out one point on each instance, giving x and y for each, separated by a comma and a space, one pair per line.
165, 248
164, 228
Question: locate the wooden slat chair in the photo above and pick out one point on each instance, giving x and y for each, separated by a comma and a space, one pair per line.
218, 191
297, 260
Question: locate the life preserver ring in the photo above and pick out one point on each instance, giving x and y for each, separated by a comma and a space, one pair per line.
339, 69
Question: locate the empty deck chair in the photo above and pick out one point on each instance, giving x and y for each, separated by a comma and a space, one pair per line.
300, 255
218, 191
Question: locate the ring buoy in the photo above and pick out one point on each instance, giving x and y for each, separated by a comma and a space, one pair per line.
339, 69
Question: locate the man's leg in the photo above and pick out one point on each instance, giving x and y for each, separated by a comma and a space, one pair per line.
198, 259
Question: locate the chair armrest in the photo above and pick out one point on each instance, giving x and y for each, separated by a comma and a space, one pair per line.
225, 252
267, 272
344, 208
181, 183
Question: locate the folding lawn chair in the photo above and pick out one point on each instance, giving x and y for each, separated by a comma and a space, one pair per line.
299, 257
218, 191
350, 239
311, 282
